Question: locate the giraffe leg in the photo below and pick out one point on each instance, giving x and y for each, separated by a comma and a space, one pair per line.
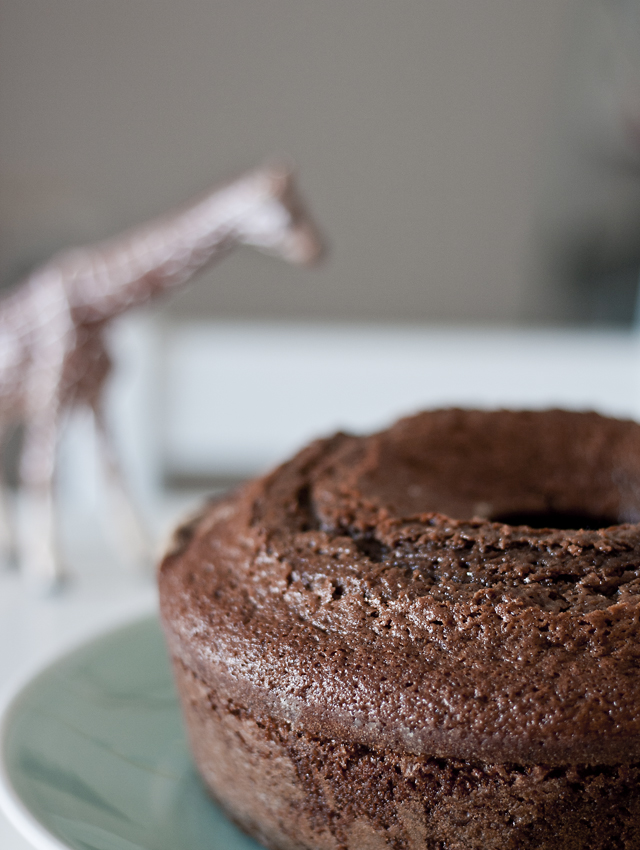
38, 555
134, 533
8, 553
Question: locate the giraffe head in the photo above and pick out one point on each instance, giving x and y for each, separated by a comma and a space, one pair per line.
274, 219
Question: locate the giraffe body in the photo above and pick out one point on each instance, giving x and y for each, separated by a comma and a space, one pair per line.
52, 349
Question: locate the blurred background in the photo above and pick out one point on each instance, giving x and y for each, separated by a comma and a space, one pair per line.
471, 163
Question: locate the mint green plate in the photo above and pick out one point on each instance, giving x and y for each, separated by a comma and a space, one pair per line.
94, 756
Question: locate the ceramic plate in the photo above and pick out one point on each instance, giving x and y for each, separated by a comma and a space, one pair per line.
94, 756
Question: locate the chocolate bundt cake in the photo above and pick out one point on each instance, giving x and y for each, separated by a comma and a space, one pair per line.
424, 638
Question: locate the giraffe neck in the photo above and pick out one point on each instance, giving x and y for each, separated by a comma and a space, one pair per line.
104, 280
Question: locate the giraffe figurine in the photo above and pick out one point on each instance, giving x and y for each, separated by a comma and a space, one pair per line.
52, 347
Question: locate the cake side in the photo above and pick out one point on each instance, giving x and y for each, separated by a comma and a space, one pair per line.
291, 790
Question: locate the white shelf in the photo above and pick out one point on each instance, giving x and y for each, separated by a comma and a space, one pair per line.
237, 398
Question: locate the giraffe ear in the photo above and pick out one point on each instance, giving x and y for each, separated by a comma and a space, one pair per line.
279, 177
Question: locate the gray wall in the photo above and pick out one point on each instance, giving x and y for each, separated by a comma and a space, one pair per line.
417, 128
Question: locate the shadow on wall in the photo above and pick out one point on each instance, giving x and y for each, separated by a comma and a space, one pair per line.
586, 241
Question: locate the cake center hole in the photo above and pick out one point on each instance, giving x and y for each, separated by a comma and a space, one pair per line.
556, 519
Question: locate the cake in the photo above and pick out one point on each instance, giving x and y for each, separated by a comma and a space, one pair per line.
424, 638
